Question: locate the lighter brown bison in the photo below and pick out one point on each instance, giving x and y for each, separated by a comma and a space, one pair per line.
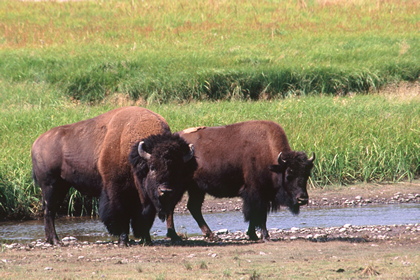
92, 157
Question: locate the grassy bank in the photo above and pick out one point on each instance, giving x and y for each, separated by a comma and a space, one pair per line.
209, 50
356, 138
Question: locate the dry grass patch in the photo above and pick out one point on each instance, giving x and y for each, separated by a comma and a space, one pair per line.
403, 91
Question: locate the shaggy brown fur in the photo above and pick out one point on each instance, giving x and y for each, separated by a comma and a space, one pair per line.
242, 160
92, 156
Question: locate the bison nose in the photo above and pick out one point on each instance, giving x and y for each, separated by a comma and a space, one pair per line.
164, 190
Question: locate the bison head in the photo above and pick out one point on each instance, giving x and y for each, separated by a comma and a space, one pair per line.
163, 164
293, 171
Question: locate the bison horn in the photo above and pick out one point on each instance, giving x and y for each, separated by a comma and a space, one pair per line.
280, 158
312, 158
190, 154
142, 152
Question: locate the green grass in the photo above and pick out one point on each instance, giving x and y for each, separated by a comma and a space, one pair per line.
164, 51
362, 138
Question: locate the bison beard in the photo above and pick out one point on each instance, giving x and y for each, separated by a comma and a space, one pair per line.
284, 199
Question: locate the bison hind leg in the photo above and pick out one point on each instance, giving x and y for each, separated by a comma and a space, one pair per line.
53, 195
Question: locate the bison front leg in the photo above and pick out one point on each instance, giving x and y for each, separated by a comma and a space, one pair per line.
251, 231
263, 226
255, 211
147, 219
171, 233
141, 224
252, 234
116, 220
123, 240
195, 201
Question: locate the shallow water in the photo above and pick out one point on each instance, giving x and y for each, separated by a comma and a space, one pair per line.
86, 229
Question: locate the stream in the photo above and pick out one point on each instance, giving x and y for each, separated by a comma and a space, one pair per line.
90, 229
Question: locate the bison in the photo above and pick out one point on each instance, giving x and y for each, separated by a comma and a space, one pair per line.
252, 160
93, 157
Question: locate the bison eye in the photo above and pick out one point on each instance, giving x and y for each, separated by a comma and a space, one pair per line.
289, 175
152, 168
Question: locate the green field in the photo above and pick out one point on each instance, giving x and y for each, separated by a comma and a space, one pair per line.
312, 66
162, 51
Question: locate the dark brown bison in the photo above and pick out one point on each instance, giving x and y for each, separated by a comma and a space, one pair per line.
252, 160
92, 156
164, 165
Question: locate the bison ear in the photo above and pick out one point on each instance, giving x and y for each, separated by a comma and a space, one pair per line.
190, 153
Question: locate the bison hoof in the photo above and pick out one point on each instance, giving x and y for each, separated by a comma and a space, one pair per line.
212, 237
146, 242
54, 242
175, 239
123, 244
253, 236
123, 240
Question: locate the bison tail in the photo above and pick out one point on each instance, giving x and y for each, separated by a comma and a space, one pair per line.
34, 178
